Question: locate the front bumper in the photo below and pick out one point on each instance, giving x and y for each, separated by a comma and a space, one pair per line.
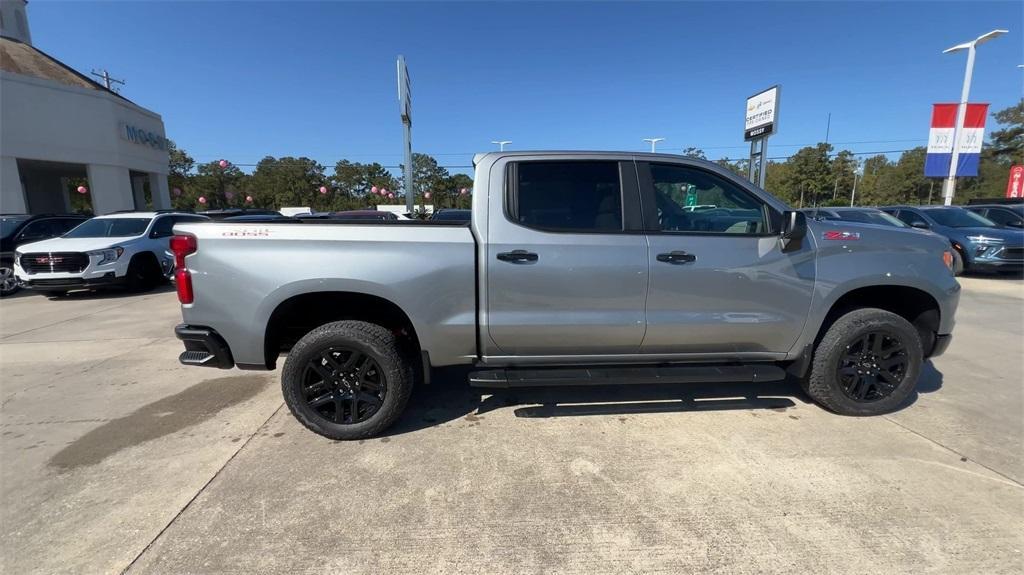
70, 283
998, 258
203, 347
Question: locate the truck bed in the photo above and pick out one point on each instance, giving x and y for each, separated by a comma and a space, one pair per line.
243, 272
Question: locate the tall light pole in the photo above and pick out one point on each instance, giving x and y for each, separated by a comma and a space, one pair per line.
950, 186
654, 143
501, 144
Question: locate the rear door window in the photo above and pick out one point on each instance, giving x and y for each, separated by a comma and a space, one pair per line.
570, 196
910, 218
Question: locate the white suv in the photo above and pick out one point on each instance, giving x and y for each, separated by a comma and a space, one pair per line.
127, 249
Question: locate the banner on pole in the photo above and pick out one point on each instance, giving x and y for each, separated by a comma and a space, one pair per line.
940, 140
1015, 187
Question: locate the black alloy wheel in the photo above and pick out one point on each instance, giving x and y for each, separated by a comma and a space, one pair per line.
873, 366
343, 385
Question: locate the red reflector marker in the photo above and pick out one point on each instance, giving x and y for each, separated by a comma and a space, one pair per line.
840, 235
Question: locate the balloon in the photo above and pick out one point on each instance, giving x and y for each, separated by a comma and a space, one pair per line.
373, 190
223, 163
323, 189
427, 195
248, 199
177, 191
82, 190
202, 200
383, 192
391, 196
463, 191
229, 195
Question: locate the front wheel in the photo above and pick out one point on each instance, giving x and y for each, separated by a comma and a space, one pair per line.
347, 380
867, 363
8, 281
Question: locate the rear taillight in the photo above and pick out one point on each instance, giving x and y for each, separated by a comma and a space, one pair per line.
182, 246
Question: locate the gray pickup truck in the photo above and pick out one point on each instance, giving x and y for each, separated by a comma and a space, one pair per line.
576, 268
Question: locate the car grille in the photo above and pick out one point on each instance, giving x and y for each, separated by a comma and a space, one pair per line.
38, 263
1012, 254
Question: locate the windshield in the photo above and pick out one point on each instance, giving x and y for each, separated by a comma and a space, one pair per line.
110, 228
10, 223
958, 218
870, 217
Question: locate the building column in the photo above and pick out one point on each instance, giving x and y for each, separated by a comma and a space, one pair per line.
12, 195
139, 192
158, 189
111, 189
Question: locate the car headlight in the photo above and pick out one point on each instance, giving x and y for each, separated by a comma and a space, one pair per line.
984, 240
107, 255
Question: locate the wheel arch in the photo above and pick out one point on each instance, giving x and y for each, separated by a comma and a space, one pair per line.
915, 305
299, 314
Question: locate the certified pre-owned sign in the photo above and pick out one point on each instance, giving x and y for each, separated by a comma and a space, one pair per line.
762, 113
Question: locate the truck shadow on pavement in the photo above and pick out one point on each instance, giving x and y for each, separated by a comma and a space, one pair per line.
449, 398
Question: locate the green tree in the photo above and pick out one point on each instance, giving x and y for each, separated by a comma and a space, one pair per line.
1007, 143
428, 176
694, 153
288, 181
354, 181
222, 187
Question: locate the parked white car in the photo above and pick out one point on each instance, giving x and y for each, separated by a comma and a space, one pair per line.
126, 249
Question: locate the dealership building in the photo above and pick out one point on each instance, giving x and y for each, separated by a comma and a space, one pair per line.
68, 143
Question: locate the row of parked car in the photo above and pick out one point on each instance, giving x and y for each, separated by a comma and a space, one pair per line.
57, 253
984, 237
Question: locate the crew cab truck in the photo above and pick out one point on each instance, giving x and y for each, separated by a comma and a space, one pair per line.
576, 268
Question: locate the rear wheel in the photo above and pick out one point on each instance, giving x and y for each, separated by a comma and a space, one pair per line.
8, 281
867, 363
347, 380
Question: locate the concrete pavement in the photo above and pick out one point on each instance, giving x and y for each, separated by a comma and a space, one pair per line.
115, 457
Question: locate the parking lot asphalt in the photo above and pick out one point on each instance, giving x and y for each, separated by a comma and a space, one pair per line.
113, 458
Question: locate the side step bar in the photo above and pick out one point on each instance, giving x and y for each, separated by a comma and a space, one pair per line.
610, 375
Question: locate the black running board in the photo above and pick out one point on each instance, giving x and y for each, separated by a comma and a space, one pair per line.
634, 375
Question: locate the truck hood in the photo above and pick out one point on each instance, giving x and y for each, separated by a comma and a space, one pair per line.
71, 244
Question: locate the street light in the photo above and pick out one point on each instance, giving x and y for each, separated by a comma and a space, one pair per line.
950, 185
654, 143
501, 144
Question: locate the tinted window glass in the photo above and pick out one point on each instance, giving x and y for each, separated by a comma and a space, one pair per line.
69, 224
910, 218
1002, 217
959, 218
41, 229
869, 217
692, 200
110, 228
163, 226
584, 196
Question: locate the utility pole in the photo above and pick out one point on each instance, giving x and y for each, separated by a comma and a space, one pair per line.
853, 192
654, 143
108, 80
501, 144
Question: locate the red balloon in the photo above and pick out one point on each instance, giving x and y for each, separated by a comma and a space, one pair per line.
177, 191
82, 190
373, 190
392, 196
323, 189
223, 163
427, 195
248, 199
202, 200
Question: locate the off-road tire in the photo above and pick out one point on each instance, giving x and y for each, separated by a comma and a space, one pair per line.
824, 386
373, 340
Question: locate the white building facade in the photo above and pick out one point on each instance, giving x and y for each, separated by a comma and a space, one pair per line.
58, 127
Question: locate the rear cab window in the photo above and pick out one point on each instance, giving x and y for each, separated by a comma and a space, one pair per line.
566, 196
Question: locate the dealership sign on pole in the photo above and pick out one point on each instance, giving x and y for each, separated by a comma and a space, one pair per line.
405, 109
942, 135
761, 121
1015, 187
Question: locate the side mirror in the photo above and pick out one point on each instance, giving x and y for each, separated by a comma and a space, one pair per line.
794, 229
919, 225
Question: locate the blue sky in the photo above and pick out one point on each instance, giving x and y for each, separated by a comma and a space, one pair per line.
240, 80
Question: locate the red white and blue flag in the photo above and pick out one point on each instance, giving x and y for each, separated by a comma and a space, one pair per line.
940, 140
